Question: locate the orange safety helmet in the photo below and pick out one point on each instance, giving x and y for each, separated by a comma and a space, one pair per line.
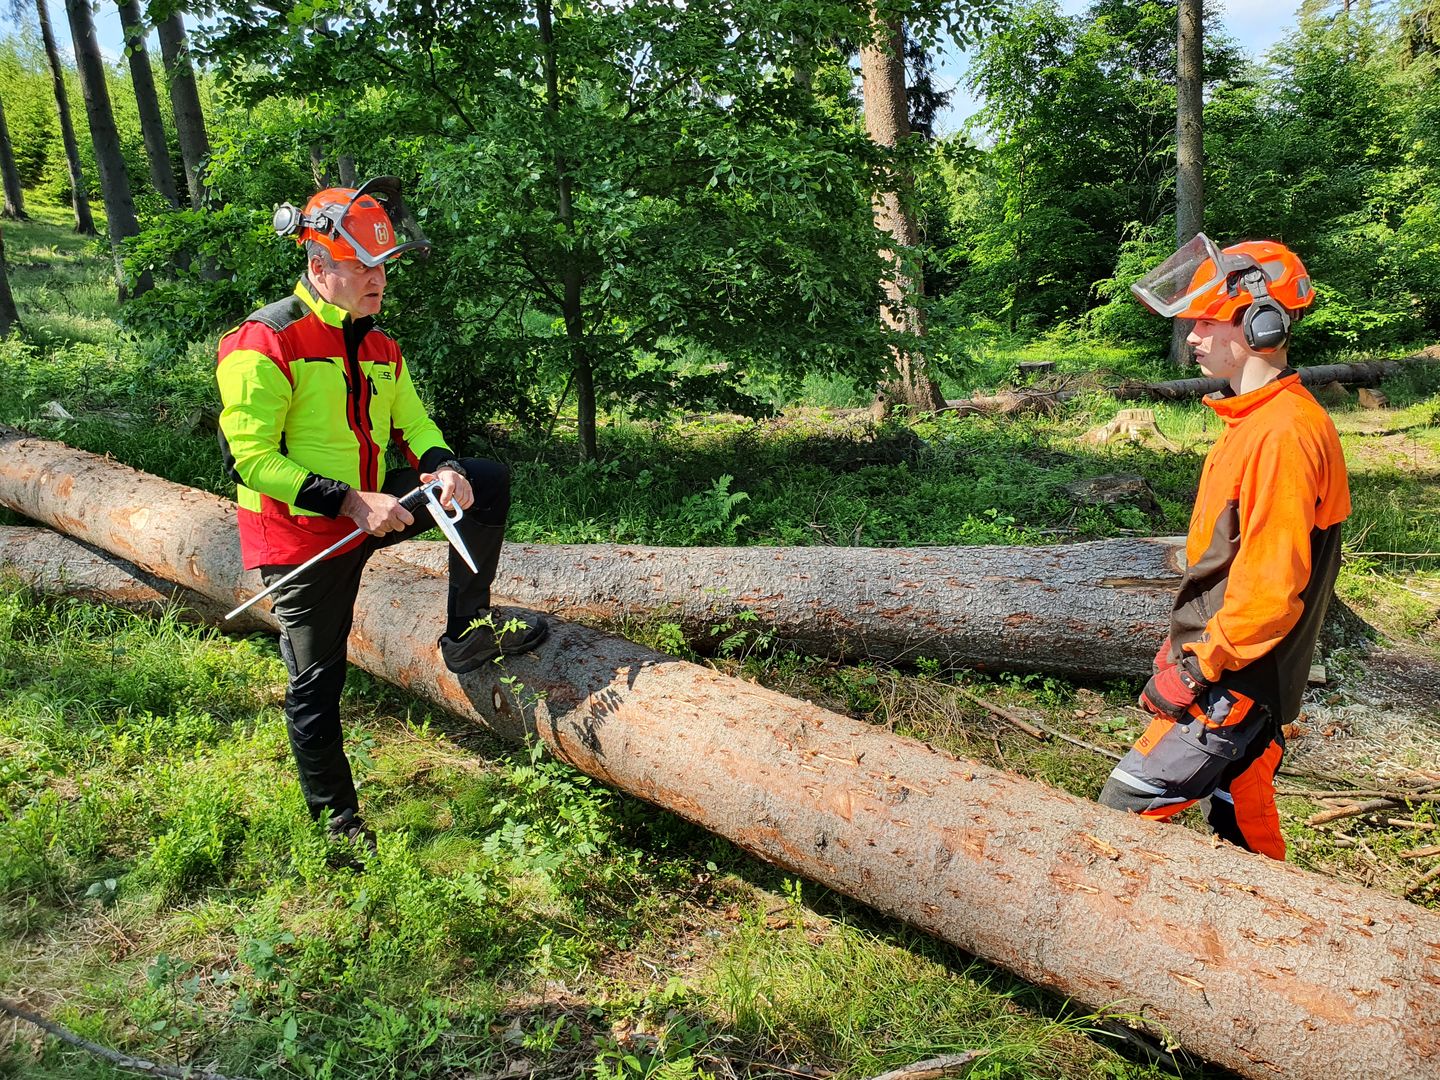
1262, 278
354, 223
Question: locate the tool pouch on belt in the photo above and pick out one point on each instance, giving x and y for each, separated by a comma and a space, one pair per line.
1222, 722
1219, 728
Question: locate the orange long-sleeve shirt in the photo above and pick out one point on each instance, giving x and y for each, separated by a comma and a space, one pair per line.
1264, 543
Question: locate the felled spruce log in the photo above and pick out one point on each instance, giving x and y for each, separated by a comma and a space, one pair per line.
1092, 609
1258, 966
1044, 402
56, 565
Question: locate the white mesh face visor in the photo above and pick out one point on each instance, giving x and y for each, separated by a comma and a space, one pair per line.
1194, 270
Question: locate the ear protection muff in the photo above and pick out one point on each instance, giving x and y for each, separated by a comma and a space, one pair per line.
1266, 324
287, 220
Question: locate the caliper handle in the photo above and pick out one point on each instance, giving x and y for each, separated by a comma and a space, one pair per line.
414, 500
427, 496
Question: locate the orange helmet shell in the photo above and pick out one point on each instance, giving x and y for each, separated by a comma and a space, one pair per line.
362, 220
1285, 277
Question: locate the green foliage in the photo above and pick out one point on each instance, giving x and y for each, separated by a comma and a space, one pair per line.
217, 262
25, 84
29, 108
1324, 145
1080, 113
849, 995
1325, 150
714, 228
146, 769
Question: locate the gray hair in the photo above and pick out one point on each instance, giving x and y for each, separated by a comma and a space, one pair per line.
316, 250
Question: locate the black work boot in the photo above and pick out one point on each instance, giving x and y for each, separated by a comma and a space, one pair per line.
484, 643
349, 833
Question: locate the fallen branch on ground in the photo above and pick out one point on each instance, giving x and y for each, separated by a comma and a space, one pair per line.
1359, 793
1014, 402
1368, 807
1433, 874
934, 1068
1004, 714
114, 1057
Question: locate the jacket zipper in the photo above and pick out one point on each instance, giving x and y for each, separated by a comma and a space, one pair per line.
359, 401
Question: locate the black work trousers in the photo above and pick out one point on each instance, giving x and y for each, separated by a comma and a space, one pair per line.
316, 610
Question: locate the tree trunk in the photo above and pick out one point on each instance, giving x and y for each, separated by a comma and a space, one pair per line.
1260, 967
887, 121
14, 194
79, 199
185, 103
318, 172
9, 316
152, 127
114, 183
1096, 610
346, 167
56, 565
1189, 147
574, 283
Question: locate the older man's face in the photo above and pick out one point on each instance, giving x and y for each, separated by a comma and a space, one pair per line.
351, 285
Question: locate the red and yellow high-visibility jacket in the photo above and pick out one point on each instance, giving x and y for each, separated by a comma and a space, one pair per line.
311, 398
1264, 543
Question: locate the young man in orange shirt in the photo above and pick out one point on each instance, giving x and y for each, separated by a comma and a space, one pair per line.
1261, 555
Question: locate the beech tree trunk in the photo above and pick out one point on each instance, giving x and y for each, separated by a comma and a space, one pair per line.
1260, 967
1189, 146
14, 195
9, 316
114, 183
152, 126
79, 199
573, 284
887, 121
185, 103
1096, 609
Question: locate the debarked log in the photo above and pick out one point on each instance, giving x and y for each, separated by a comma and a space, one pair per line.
1258, 966
1094, 609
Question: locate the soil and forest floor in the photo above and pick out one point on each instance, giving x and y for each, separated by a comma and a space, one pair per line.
162, 890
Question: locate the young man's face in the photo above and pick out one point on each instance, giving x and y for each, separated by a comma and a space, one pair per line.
1220, 348
351, 285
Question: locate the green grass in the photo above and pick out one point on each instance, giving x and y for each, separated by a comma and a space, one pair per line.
162, 890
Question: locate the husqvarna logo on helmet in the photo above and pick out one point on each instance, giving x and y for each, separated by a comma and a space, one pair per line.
382, 233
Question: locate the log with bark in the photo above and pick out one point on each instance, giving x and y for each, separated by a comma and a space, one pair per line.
1015, 402
1258, 966
1093, 609
56, 565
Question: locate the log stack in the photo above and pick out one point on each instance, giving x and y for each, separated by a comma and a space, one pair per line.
1258, 966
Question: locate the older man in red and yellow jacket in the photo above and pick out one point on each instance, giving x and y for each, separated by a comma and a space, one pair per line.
313, 393
1262, 552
